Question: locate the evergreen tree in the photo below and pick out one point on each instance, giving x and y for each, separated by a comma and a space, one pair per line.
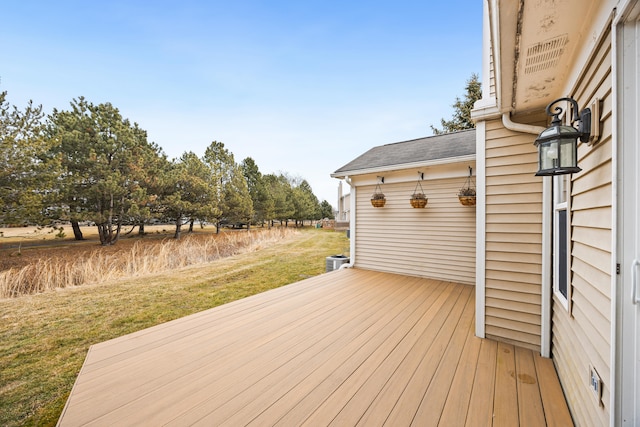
263, 206
222, 164
461, 119
191, 193
89, 163
305, 203
28, 175
279, 188
236, 203
153, 168
326, 210
103, 170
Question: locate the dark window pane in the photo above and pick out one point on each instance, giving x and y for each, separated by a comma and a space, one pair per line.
562, 252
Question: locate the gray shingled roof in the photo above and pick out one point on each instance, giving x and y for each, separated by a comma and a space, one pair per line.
450, 145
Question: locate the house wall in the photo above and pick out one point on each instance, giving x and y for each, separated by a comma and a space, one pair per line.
582, 336
513, 237
437, 241
344, 210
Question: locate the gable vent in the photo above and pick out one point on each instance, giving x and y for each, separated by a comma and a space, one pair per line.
544, 55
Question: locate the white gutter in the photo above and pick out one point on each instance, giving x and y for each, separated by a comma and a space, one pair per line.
547, 241
352, 223
520, 127
412, 165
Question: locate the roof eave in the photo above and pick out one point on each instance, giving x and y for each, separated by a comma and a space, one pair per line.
549, 37
403, 166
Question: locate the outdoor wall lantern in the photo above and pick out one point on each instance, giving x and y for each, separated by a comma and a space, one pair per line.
558, 144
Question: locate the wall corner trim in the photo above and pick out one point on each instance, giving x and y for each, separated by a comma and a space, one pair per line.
480, 227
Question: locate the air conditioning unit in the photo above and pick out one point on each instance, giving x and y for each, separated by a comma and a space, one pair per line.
335, 261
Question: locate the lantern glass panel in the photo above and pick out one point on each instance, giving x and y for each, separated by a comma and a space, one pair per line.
567, 153
548, 155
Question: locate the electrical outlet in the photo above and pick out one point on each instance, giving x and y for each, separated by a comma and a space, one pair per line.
595, 383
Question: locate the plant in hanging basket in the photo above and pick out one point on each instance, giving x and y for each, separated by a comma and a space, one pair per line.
378, 200
418, 200
467, 196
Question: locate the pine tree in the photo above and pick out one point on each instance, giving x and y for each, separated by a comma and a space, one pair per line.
280, 191
104, 159
28, 175
263, 205
305, 203
236, 203
326, 210
461, 119
191, 194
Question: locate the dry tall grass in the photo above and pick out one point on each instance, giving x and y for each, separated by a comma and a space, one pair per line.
49, 274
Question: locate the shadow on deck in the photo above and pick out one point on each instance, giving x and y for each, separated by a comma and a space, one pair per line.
351, 347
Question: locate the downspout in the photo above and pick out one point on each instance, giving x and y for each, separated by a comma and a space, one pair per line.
520, 127
547, 220
352, 223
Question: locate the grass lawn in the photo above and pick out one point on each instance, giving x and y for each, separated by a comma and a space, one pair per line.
44, 338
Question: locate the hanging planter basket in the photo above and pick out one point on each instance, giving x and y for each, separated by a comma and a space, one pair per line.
467, 200
418, 198
377, 199
467, 194
418, 201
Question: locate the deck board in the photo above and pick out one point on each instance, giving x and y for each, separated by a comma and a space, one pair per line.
505, 403
530, 409
351, 347
480, 412
459, 394
424, 364
553, 400
327, 391
388, 379
436, 395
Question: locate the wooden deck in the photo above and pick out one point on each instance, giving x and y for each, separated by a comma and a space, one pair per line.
350, 347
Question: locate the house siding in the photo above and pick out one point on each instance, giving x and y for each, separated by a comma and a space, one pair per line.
582, 338
437, 241
513, 235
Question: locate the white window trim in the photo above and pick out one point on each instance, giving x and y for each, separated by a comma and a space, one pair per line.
562, 205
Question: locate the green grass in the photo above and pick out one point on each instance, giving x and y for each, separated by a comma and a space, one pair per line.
44, 338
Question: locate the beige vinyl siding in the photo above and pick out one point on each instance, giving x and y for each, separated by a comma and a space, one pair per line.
513, 238
437, 241
583, 337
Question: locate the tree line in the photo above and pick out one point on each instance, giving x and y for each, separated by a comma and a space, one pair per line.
90, 164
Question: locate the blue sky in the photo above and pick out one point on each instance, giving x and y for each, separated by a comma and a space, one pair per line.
302, 87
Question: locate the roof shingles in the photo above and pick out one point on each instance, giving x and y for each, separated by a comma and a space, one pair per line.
439, 147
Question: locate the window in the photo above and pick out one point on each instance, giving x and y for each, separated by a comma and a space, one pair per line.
562, 253
561, 240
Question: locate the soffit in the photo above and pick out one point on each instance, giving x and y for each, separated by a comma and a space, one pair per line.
538, 44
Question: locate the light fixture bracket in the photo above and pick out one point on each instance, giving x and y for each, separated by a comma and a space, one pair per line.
557, 145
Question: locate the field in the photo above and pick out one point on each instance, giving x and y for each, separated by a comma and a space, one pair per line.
20, 246
44, 337
30, 265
